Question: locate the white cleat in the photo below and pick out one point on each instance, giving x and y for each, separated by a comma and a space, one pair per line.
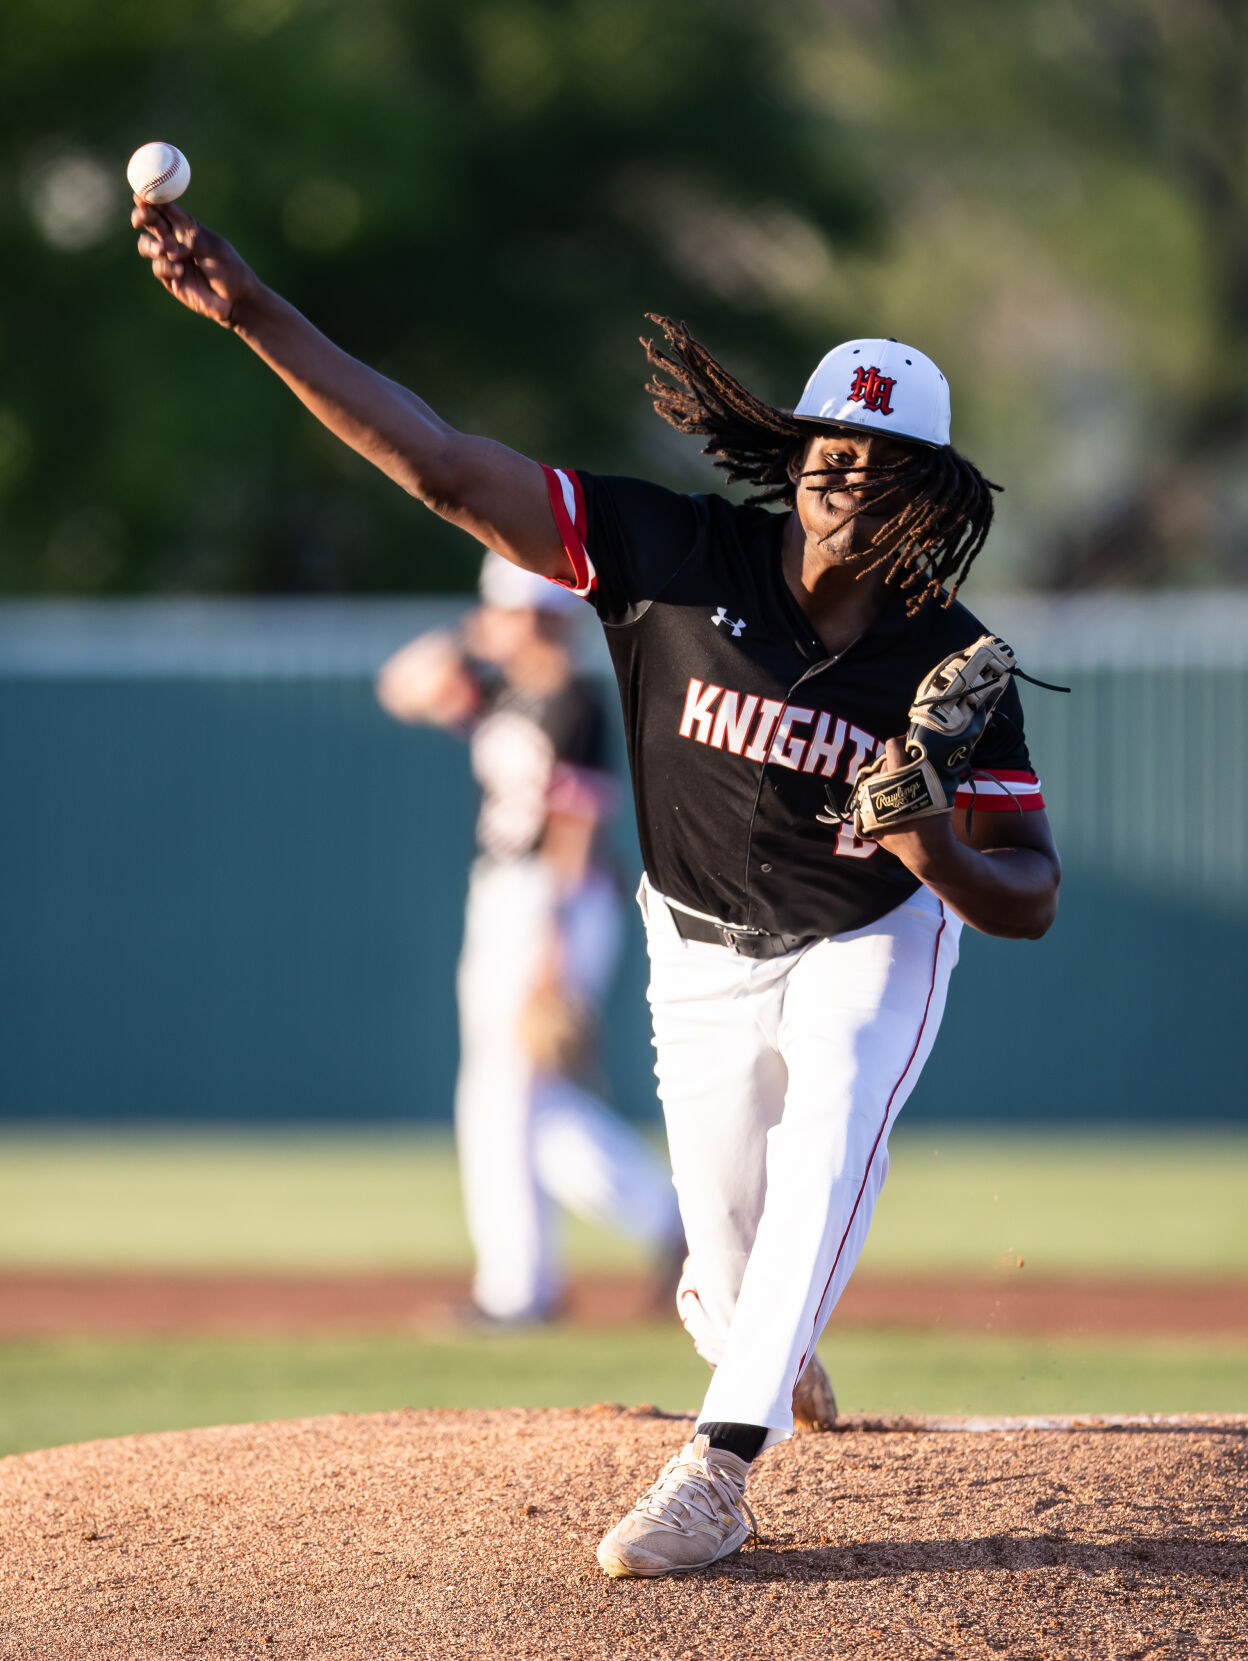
814, 1400
695, 1514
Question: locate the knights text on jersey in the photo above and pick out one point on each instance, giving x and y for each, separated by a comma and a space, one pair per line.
739, 725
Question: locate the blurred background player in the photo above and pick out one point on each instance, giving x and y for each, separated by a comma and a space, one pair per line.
542, 939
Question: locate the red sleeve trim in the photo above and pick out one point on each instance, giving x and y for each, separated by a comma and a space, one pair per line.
567, 503
1001, 790
1000, 804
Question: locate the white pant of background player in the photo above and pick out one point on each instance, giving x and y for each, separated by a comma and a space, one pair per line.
526, 1139
780, 1081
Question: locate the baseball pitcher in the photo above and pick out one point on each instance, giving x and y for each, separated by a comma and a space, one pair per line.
830, 776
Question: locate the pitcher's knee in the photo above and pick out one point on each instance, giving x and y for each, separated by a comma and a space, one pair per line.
708, 1335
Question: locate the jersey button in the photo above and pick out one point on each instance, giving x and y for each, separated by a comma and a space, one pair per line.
764, 867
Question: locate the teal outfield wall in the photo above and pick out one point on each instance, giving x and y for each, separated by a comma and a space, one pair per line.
232, 888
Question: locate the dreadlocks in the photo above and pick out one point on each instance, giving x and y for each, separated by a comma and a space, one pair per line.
944, 503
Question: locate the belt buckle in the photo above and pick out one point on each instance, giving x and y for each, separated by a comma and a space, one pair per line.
734, 937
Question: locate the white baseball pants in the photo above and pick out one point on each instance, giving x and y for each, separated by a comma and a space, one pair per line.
527, 1138
780, 1081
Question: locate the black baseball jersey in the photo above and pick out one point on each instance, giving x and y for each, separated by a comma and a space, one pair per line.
536, 755
738, 721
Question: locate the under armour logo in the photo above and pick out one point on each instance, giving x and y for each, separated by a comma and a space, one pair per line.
872, 389
721, 616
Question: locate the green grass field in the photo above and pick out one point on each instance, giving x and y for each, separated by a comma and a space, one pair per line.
76, 1390
1067, 1203
1070, 1204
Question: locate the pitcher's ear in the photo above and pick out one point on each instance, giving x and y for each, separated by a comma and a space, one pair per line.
793, 466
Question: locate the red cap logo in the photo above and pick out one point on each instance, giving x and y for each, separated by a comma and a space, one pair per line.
872, 389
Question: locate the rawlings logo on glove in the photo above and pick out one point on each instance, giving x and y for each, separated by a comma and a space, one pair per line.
951, 709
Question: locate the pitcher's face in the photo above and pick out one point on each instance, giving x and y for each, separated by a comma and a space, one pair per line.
847, 493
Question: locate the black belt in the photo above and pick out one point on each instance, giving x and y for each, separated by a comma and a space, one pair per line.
745, 942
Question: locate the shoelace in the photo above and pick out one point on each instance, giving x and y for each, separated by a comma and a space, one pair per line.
703, 1485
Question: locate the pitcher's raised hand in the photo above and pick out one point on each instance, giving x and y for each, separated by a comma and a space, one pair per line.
198, 267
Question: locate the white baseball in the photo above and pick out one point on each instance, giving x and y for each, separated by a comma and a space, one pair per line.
158, 172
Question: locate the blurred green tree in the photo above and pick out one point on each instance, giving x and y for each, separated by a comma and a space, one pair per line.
1065, 184
481, 198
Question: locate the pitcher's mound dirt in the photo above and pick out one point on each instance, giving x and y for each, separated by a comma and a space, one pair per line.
441, 1534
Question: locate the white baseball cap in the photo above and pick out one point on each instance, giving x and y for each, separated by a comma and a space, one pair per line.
511, 588
880, 384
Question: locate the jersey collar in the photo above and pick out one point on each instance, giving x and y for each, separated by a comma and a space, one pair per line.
878, 638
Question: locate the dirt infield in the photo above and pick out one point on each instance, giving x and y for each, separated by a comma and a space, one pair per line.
440, 1534
49, 1303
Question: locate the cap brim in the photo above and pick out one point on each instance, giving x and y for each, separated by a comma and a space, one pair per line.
820, 423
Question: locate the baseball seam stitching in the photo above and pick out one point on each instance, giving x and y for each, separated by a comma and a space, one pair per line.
160, 179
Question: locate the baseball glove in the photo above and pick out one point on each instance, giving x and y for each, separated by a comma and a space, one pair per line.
951, 709
557, 1030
